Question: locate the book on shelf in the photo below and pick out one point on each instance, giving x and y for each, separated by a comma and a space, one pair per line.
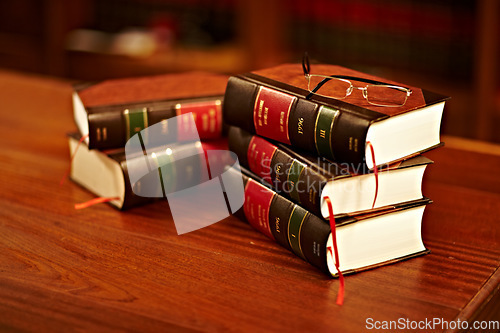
105, 173
363, 242
277, 103
112, 111
307, 179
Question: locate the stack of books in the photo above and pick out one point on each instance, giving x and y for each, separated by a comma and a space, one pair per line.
109, 113
331, 162
336, 146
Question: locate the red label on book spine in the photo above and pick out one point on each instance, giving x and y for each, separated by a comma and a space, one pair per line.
259, 155
258, 200
207, 117
271, 112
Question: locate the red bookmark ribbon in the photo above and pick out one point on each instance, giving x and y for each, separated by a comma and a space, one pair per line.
94, 201
66, 174
375, 171
335, 252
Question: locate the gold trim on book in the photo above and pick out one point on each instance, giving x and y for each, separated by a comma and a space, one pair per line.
145, 123
295, 245
316, 129
127, 122
256, 105
145, 116
288, 228
300, 234
337, 112
294, 193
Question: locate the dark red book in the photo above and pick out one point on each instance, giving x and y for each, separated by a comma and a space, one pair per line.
275, 103
112, 111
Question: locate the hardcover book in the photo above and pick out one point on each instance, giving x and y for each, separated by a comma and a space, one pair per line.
307, 179
363, 242
112, 111
280, 103
105, 173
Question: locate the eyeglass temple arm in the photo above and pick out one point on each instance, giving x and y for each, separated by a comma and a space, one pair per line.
306, 67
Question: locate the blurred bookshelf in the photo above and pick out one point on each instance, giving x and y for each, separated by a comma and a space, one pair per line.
447, 46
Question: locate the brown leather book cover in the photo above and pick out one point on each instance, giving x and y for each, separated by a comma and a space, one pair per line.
275, 103
153, 88
112, 111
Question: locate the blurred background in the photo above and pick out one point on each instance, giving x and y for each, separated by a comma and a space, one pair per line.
448, 46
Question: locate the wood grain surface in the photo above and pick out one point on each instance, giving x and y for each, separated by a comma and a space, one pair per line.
99, 269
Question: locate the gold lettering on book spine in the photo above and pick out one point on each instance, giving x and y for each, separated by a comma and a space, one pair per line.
323, 130
300, 126
127, 121
282, 122
353, 144
259, 113
312, 196
205, 122
164, 126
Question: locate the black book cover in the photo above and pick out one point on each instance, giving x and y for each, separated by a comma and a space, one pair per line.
297, 175
272, 103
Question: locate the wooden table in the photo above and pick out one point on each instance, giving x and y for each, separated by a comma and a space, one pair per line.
63, 269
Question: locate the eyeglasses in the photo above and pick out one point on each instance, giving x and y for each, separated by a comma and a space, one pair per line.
339, 87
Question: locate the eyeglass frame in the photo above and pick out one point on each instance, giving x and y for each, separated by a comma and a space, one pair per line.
306, 67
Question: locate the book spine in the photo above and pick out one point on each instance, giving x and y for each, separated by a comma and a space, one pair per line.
173, 170
288, 117
287, 175
113, 127
286, 223
131, 199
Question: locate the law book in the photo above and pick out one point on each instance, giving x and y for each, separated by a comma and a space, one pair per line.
105, 173
363, 242
307, 179
275, 103
112, 111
